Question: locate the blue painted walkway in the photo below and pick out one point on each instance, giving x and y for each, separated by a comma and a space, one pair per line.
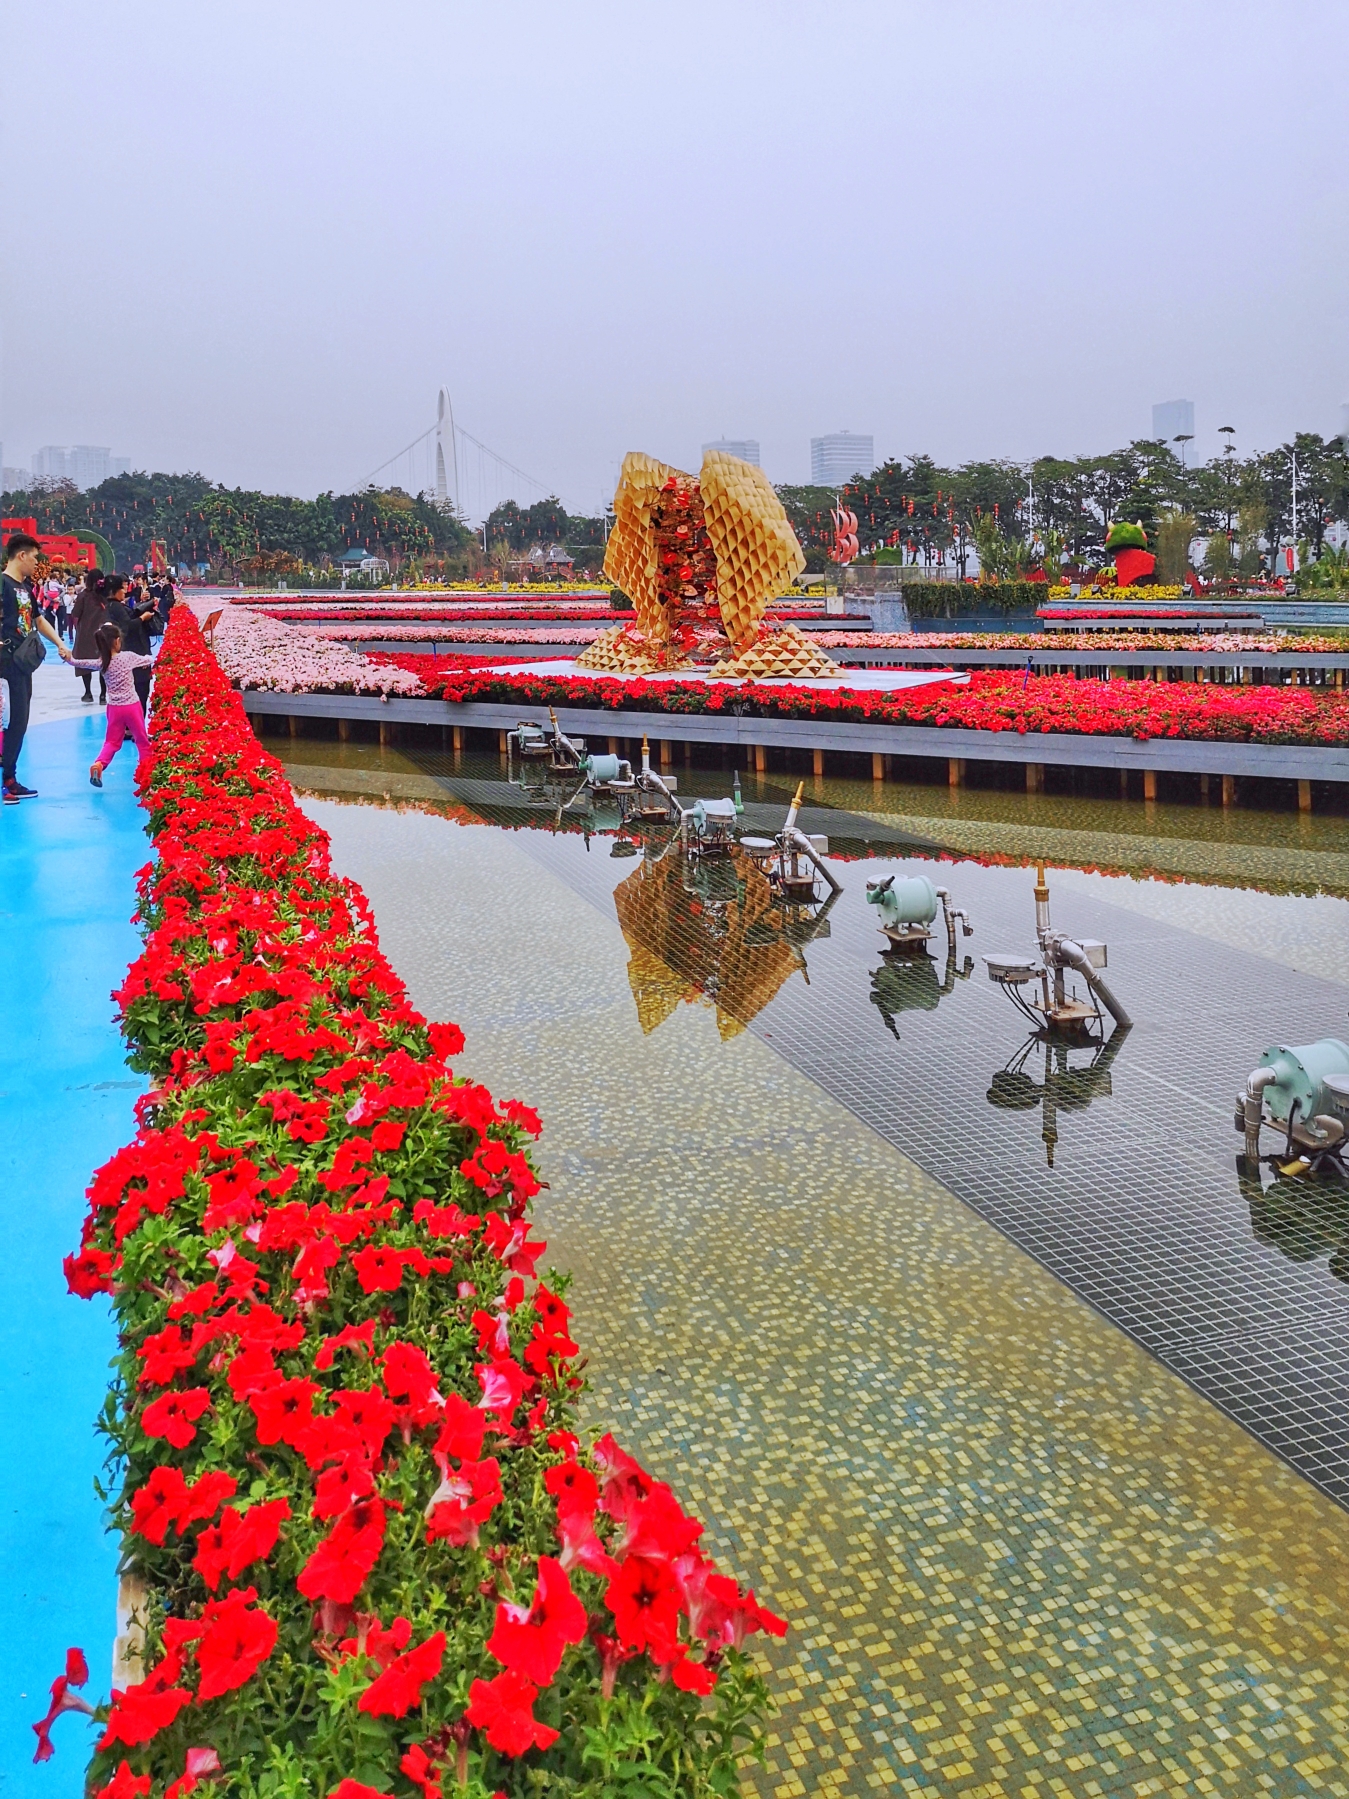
67, 862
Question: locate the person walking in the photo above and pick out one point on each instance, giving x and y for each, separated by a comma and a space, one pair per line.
88, 613
19, 620
135, 624
126, 716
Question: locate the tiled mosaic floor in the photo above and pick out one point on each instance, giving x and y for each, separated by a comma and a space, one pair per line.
1021, 1557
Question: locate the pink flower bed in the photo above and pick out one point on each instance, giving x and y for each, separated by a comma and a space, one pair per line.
462, 633
263, 653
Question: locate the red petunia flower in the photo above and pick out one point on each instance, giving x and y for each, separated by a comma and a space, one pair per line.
283, 1411
167, 1500
351, 1336
355, 1789
408, 1375
173, 1415
239, 1540
338, 1568
90, 1272
125, 1785
155, 1507
378, 1269
422, 1770
504, 1384
744, 1612
573, 1487
532, 1639
374, 1642
461, 1431
342, 1485
463, 1502
504, 1709
205, 1496
693, 1677
199, 1762
238, 1638
581, 1547
399, 1687
140, 1713
644, 1599
62, 1700
447, 1041
369, 1414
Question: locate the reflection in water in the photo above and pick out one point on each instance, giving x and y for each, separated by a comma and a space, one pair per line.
708, 930
1303, 1216
1062, 1087
910, 984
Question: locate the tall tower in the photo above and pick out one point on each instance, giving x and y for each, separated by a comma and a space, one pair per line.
443, 416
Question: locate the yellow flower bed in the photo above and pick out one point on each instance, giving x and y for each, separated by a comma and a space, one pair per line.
1131, 596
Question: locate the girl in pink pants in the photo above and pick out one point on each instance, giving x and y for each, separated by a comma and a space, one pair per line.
124, 708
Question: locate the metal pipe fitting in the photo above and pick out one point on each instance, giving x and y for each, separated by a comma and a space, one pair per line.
1065, 950
790, 838
1253, 1106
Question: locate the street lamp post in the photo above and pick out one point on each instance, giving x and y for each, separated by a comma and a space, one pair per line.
1292, 457
1182, 438
1229, 450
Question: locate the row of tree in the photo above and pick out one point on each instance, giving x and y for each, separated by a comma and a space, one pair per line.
234, 530
1006, 516
1011, 515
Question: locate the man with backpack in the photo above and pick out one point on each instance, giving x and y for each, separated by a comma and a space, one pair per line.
20, 653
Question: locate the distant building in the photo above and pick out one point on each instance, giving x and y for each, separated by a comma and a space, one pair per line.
835, 459
552, 564
746, 448
85, 464
15, 480
1344, 423
49, 463
1172, 419
362, 562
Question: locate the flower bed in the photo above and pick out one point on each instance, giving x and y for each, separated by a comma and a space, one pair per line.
993, 700
461, 633
1143, 609
450, 616
260, 652
378, 1558
429, 613
1219, 642
427, 665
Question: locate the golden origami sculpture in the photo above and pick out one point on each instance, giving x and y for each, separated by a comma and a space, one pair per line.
701, 560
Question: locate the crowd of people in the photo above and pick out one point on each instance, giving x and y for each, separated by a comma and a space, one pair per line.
104, 625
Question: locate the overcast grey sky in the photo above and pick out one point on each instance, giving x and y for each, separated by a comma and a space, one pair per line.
263, 232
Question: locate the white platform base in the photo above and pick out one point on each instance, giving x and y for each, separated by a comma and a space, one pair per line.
860, 680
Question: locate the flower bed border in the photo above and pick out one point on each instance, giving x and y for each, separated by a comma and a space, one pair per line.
395, 1416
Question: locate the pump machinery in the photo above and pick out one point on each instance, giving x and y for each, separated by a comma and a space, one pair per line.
1061, 1009
1302, 1092
908, 908
791, 860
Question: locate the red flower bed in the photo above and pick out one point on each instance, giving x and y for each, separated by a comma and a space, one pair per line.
1142, 611
430, 614
994, 700
378, 1557
431, 666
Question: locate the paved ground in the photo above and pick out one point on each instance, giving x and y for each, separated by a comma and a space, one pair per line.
67, 865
